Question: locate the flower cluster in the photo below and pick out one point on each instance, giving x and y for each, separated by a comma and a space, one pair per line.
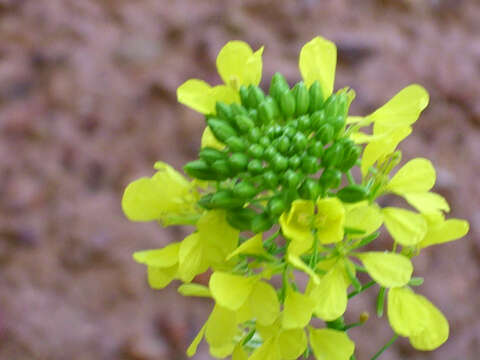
275, 193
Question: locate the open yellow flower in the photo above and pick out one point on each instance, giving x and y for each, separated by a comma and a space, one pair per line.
167, 197
237, 65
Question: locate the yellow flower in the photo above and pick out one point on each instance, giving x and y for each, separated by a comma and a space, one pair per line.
440, 231
331, 344
391, 124
237, 65
167, 197
298, 223
208, 247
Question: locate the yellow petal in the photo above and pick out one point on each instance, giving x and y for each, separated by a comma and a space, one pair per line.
221, 327
417, 175
253, 246
406, 315
406, 227
196, 94
331, 295
239, 353
436, 328
230, 291
158, 278
296, 225
401, 110
192, 349
238, 65
330, 220
217, 236
383, 146
191, 258
364, 217
297, 310
162, 258
317, 61
209, 140
268, 351
292, 343
444, 231
329, 344
194, 290
387, 269
427, 202
264, 303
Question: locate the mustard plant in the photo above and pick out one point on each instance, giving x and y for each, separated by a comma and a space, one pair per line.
286, 182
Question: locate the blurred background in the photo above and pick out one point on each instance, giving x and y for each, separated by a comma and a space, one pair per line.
87, 104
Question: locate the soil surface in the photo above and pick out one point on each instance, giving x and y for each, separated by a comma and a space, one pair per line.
87, 104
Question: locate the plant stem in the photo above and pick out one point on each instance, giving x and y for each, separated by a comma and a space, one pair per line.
351, 180
362, 289
385, 347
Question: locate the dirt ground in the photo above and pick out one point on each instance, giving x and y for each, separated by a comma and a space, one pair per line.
87, 104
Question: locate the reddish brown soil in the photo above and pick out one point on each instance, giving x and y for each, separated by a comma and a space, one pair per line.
87, 104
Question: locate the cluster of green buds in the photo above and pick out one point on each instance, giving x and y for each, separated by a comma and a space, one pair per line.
279, 147
275, 193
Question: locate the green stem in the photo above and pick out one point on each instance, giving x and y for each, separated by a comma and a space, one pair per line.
362, 289
351, 180
385, 347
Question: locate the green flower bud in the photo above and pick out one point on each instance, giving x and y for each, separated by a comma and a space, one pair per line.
224, 199
221, 130
342, 104
245, 190
331, 106
352, 193
222, 168
206, 201
199, 169
310, 164
274, 131
255, 151
238, 162
277, 86
264, 141
333, 155
276, 206
255, 96
270, 179
292, 179
294, 162
236, 144
253, 114
287, 103
304, 123
243, 92
302, 98
300, 142
210, 154
279, 163
283, 145
270, 152
316, 149
244, 123
254, 134
318, 119
289, 131
266, 112
223, 110
255, 167
338, 123
238, 109
261, 223
325, 133
309, 190
350, 158
241, 219
316, 97
331, 178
